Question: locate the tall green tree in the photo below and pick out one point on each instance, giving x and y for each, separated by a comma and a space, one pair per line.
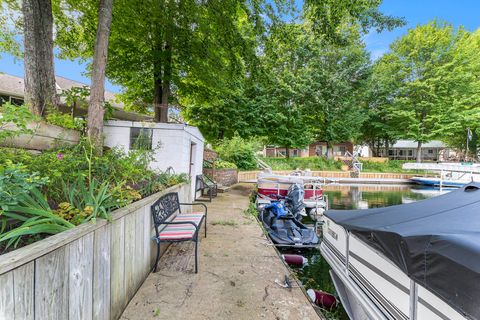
162, 50
379, 129
461, 85
335, 81
418, 104
331, 18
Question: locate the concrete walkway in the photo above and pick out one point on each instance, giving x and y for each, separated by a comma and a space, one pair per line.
237, 279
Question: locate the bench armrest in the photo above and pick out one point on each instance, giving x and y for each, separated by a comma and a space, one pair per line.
195, 204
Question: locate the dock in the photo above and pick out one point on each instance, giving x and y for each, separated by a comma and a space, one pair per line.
240, 273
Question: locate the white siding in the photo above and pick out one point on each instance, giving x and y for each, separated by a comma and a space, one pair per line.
174, 140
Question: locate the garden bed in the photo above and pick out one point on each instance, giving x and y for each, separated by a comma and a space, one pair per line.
92, 269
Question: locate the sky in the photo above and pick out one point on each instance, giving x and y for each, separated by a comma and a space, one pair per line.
457, 12
464, 13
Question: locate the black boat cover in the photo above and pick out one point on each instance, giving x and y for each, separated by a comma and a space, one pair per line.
436, 242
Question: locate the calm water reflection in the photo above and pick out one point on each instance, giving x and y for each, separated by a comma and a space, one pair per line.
316, 274
375, 196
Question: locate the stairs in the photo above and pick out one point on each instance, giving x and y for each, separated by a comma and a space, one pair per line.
353, 163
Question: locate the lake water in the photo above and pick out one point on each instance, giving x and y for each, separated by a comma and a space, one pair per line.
316, 274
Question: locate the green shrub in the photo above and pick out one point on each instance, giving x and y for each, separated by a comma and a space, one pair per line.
239, 151
64, 120
19, 116
16, 182
394, 166
221, 164
312, 163
78, 185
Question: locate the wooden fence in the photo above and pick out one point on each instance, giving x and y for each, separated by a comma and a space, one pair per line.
89, 272
249, 176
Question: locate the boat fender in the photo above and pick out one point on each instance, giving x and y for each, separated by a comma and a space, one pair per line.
295, 260
323, 299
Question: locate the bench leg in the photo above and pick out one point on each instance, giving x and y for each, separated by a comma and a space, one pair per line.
196, 254
158, 257
205, 226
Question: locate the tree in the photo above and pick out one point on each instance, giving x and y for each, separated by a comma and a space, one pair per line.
418, 104
462, 93
164, 51
331, 18
336, 79
379, 129
97, 98
40, 87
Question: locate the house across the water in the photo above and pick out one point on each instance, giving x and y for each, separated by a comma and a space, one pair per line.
407, 150
318, 148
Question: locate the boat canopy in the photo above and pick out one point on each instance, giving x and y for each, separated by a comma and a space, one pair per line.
436, 242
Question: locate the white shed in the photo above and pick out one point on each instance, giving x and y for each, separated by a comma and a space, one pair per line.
179, 146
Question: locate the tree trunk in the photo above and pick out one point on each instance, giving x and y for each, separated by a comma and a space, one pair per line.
97, 92
287, 152
387, 147
157, 94
419, 152
329, 150
40, 88
162, 78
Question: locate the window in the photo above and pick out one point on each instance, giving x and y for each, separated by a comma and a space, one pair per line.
4, 99
16, 101
401, 153
410, 153
295, 152
342, 150
141, 138
430, 151
390, 152
319, 151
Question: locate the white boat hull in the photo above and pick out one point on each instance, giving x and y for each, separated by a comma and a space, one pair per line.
371, 286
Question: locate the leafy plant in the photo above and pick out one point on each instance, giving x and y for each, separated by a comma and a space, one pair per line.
16, 182
221, 164
239, 151
93, 200
14, 120
64, 120
31, 216
312, 163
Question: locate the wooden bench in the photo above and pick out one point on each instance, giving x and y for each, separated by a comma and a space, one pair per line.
206, 186
171, 225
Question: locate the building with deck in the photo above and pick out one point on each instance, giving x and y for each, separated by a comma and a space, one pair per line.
407, 150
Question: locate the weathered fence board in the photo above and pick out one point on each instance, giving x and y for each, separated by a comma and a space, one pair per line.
80, 278
51, 285
101, 274
89, 272
130, 255
117, 267
139, 248
6, 292
24, 291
